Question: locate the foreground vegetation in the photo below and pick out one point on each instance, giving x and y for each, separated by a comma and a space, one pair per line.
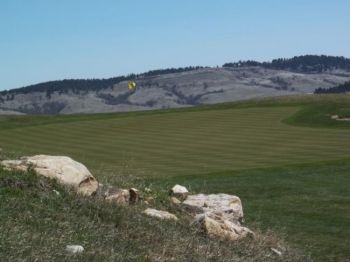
285, 157
39, 218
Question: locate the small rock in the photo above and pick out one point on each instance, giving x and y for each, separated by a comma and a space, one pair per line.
148, 190
160, 214
175, 201
134, 195
150, 200
334, 117
74, 249
276, 251
56, 192
179, 191
146, 202
121, 197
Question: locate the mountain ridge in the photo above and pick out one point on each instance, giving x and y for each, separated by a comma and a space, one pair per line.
181, 87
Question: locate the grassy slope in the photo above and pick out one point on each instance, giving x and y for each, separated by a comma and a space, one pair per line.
36, 224
251, 149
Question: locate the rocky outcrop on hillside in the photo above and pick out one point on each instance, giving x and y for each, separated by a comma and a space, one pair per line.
218, 215
35, 208
189, 88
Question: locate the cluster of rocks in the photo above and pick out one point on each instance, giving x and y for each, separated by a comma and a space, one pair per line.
218, 215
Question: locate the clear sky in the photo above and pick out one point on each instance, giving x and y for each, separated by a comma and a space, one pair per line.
42, 40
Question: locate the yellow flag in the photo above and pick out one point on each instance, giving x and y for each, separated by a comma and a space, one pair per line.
131, 85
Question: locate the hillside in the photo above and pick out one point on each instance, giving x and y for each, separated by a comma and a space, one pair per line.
183, 87
108, 232
286, 158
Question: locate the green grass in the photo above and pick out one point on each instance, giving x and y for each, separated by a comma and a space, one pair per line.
309, 203
36, 224
181, 142
284, 156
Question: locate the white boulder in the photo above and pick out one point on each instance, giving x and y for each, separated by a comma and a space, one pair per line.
64, 169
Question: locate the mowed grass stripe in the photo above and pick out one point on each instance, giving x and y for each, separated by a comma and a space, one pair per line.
135, 140
262, 142
106, 137
238, 144
219, 141
190, 142
80, 132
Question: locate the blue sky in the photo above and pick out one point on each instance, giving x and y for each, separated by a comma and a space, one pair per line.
42, 40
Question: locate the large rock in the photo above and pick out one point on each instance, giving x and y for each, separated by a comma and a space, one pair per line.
224, 205
218, 215
219, 227
64, 169
164, 215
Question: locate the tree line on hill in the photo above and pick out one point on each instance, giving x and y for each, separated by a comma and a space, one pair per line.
343, 88
77, 85
305, 64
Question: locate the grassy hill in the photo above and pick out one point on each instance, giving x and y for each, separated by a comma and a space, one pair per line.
284, 157
182, 87
39, 218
